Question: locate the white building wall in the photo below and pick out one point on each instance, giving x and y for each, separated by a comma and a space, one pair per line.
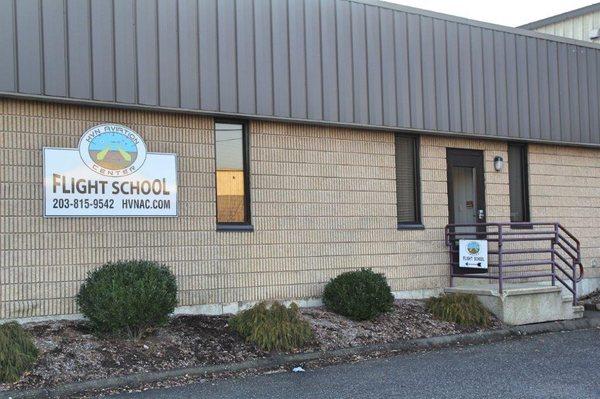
575, 28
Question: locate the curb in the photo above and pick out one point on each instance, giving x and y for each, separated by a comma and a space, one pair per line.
282, 360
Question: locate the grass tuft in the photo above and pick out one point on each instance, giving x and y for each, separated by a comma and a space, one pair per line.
463, 309
17, 352
272, 327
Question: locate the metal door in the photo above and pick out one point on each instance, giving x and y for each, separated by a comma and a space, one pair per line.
466, 193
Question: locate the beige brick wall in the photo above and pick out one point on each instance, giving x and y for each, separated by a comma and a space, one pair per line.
565, 186
323, 202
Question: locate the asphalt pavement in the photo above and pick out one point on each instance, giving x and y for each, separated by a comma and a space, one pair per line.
556, 365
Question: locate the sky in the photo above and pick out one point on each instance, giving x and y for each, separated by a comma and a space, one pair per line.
502, 12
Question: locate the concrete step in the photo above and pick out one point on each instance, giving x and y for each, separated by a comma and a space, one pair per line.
523, 303
576, 311
508, 289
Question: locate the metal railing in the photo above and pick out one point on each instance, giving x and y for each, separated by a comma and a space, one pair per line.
516, 248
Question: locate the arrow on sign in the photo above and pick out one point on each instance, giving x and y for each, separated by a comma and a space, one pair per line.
473, 264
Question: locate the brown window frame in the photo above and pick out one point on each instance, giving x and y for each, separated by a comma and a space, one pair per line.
246, 225
416, 224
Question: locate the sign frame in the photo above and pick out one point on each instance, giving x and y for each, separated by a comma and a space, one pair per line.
465, 256
116, 215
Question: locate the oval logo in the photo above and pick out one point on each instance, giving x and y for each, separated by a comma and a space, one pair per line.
112, 150
473, 248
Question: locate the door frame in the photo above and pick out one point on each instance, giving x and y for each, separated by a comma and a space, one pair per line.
467, 158
474, 159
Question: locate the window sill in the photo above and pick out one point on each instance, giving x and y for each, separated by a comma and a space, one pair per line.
524, 226
411, 226
235, 227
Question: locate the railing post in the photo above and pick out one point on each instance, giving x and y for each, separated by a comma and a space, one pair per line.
574, 285
552, 257
450, 246
500, 285
575, 264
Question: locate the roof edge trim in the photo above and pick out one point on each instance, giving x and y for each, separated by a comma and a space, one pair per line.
561, 17
312, 122
480, 24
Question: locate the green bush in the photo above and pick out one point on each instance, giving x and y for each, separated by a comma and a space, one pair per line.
17, 352
464, 309
128, 297
272, 328
358, 295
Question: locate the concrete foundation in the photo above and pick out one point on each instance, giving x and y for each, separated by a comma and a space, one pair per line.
523, 303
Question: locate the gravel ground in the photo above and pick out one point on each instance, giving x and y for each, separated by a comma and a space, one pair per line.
70, 353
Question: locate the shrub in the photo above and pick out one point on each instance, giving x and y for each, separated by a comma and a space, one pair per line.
358, 295
128, 297
17, 352
464, 309
272, 328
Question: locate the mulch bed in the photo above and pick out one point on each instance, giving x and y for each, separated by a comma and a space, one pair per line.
70, 353
591, 301
408, 320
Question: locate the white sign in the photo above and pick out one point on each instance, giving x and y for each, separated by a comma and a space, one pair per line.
473, 254
110, 174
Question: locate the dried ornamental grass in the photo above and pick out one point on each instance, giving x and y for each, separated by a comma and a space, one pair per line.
274, 327
17, 352
463, 309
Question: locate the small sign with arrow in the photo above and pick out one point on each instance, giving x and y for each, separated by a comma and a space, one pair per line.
473, 254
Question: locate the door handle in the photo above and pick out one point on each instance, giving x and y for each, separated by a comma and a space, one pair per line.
480, 214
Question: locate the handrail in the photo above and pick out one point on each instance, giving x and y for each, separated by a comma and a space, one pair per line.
581, 272
560, 226
563, 247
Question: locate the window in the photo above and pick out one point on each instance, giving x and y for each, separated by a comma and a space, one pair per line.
407, 181
233, 194
518, 184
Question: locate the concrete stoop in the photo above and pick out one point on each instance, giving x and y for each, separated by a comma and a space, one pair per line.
523, 303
